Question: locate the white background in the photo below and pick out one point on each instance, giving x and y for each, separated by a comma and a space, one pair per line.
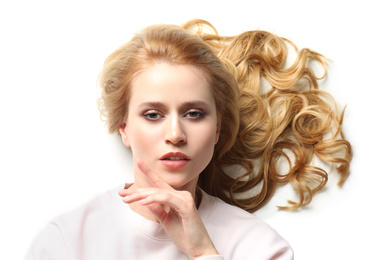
56, 153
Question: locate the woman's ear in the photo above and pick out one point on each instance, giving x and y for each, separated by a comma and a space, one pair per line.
123, 133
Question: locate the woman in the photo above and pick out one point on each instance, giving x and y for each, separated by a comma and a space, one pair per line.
189, 105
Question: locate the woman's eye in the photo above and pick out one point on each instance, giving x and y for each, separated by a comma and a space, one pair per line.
195, 114
152, 116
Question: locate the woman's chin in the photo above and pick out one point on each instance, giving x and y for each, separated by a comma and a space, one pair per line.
182, 184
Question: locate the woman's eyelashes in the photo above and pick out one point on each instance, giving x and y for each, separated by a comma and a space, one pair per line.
152, 115
193, 114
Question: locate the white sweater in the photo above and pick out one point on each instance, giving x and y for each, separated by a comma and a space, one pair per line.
107, 229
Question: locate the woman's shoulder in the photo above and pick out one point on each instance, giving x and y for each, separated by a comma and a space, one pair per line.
241, 234
83, 219
65, 234
99, 207
211, 205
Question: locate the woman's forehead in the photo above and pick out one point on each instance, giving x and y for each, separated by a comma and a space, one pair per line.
165, 82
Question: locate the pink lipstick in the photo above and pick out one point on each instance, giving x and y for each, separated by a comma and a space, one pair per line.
174, 160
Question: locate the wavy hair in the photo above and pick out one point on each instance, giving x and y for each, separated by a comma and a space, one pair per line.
274, 118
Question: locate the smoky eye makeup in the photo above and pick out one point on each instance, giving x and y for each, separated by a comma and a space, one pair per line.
195, 113
153, 111
152, 115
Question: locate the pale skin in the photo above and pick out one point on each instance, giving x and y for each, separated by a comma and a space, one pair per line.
172, 128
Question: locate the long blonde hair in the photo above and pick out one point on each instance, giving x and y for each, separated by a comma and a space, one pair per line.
269, 113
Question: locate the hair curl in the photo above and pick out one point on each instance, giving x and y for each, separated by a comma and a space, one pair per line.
269, 113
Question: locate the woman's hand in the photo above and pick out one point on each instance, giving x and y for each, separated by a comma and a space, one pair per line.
175, 211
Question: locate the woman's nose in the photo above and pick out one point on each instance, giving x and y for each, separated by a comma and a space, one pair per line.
174, 132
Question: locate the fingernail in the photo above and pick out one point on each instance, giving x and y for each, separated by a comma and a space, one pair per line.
121, 191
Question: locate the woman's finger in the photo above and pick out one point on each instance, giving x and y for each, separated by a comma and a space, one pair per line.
152, 177
158, 211
181, 201
134, 196
182, 204
158, 195
128, 192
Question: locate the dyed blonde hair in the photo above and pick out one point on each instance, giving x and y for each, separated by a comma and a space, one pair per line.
269, 113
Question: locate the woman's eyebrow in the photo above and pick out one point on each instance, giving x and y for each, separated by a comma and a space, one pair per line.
152, 104
196, 104
161, 105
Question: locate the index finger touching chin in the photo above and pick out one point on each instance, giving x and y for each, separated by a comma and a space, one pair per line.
151, 176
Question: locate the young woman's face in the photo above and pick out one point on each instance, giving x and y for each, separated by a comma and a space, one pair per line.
172, 123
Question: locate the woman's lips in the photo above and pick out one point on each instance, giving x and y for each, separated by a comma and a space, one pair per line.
174, 160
